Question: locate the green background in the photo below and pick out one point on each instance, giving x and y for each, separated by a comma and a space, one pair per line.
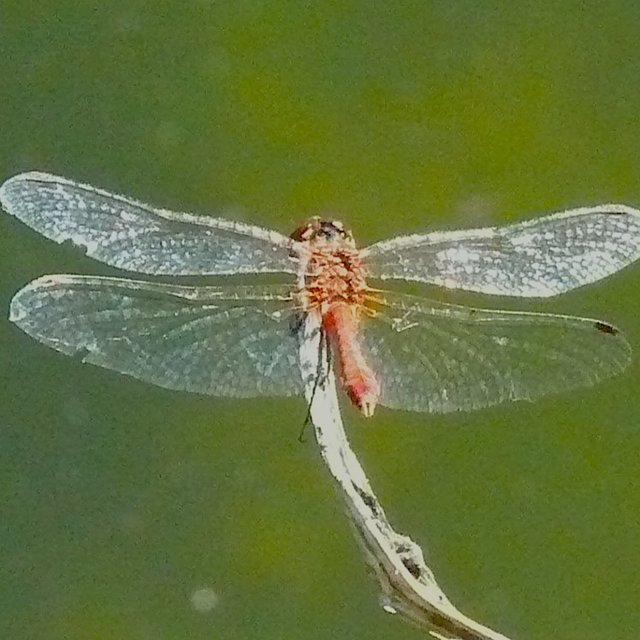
119, 500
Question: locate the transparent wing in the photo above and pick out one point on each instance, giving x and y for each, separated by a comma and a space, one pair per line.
238, 341
435, 357
536, 258
135, 236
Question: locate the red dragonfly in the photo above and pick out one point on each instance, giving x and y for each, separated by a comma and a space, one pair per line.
397, 350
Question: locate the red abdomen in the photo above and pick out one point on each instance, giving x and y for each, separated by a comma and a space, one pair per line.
341, 324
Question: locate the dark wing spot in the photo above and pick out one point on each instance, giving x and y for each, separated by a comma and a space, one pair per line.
613, 212
606, 328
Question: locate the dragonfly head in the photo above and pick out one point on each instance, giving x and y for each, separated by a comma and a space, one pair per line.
323, 231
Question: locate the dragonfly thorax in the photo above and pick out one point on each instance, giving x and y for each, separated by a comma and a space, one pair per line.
333, 270
334, 274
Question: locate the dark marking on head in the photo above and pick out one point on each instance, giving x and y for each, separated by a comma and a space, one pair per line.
606, 328
330, 230
318, 227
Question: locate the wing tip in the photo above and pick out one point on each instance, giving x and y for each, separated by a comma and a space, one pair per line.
6, 198
605, 327
16, 309
17, 306
619, 344
617, 209
31, 176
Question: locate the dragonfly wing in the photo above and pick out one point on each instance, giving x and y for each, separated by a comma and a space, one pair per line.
536, 258
134, 236
435, 357
236, 341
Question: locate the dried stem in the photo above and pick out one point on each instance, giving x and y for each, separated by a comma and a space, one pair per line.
408, 585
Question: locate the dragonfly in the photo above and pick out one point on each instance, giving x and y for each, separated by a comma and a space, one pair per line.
391, 349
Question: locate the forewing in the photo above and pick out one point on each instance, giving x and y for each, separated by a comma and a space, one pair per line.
237, 341
134, 236
435, 357
536, 258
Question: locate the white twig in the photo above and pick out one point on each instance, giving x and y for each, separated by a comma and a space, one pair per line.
408, 585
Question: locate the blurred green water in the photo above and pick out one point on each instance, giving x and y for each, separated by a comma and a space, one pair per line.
120, 501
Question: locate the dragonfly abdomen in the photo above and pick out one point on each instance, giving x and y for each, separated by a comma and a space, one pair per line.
358, 379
